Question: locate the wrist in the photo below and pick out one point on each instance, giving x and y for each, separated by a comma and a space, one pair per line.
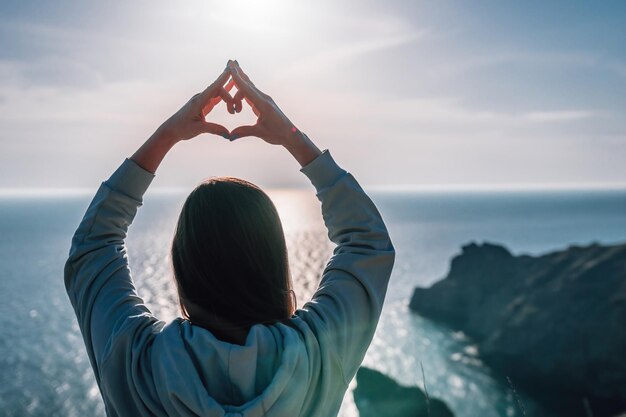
302, 148
165, 137
150, 155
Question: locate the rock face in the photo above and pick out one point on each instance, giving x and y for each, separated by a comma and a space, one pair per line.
555, 324
377, 395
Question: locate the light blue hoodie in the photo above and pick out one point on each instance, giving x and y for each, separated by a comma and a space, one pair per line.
145, 367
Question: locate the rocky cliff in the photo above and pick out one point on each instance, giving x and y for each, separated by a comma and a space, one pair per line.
555, 324
377, 395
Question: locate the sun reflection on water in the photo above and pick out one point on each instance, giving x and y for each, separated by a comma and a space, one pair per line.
299, 210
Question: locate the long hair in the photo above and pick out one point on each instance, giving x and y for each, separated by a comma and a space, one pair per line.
230, 259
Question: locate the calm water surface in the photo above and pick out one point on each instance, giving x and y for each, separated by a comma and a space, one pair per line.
44, 370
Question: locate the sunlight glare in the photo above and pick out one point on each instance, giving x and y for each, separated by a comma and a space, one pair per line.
298, 209
262, 17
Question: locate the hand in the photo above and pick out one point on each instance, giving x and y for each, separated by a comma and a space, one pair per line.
272, 125
186, 123
189, 121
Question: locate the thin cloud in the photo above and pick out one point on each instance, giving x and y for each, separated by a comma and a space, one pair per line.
329, 59
559, 115
455, 67
451, 110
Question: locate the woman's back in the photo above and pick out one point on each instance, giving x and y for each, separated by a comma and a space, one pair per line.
298, 366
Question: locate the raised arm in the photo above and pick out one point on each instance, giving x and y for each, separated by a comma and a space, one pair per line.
346, 307
97, 277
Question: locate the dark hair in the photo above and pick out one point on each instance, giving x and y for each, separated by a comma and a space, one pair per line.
230, 259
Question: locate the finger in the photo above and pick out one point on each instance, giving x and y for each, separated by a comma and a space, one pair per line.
228, 87
216, 129
228, 100
256, 111
237, 98
243, 73
221, 80
213, 89
238, 101
245, 77
209, 106
242, 131
247, 89
215, 100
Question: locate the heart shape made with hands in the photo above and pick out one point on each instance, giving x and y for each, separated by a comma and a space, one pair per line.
222, 90
233, 112
271, 124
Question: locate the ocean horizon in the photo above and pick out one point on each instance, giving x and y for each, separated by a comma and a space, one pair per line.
26, 191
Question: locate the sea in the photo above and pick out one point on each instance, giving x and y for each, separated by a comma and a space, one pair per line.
44, 369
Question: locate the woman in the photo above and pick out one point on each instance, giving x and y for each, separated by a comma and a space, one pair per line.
241, 347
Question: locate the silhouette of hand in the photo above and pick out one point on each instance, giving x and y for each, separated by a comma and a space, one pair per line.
189, 121
272, 125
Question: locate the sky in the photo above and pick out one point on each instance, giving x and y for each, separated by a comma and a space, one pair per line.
404, 94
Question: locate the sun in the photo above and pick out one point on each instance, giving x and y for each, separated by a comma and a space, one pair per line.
260, 16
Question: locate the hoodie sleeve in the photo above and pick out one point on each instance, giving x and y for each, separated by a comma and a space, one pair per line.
346, 307
97, 276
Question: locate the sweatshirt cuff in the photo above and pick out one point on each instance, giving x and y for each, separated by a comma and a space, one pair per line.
130, 179
323, 171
